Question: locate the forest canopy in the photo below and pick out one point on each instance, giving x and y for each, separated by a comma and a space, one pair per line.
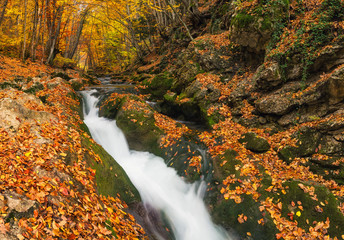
92, 33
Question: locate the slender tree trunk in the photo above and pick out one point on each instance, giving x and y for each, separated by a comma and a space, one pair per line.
55, 36
75, 44
34, 30
3, 10
24, 30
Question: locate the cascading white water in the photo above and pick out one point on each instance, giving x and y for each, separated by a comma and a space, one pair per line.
158, 185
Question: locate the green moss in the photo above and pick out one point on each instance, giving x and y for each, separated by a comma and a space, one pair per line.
227, 211
211, 119
222, 171
159, 85
170, 97
287, 154
62, 62
4, 85
242, 20
325, 200
254, 143
111, 179
34, 88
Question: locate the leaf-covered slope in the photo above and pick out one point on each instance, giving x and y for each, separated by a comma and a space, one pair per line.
48, 189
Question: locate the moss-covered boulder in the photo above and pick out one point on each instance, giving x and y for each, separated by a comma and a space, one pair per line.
158, 85
288, 154
227, 212
308, 141
135, 118
317, 204
111, 179
225, 165
254, 143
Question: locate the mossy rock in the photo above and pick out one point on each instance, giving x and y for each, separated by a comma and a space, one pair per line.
64, 63
34, 88
159, 85
211, 119
324, 206
254, 143
109, 109
111, 179
288, 154
307, 144
136, 120
225, 165
242, 20
308, 141
4, 85
226, 214
77, 86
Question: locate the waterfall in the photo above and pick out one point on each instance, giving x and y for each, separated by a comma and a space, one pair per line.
158, 185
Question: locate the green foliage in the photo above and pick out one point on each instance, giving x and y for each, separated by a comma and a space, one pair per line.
311, 35
242, 20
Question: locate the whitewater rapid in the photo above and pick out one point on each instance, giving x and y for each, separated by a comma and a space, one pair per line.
158, 185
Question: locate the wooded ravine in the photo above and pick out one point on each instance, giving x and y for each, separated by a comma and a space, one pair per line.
241, 100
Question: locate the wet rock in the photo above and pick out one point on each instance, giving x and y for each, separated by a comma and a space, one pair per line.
255, 143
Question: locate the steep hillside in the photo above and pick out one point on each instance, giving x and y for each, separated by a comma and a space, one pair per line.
51, 171
267, 79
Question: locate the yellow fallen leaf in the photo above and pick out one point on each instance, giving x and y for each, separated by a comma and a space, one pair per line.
298, 213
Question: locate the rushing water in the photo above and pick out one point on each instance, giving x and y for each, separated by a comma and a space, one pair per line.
159, 185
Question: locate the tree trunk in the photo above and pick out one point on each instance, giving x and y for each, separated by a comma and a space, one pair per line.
24, 30
74, 46
3, 10
55, 36
34, 31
